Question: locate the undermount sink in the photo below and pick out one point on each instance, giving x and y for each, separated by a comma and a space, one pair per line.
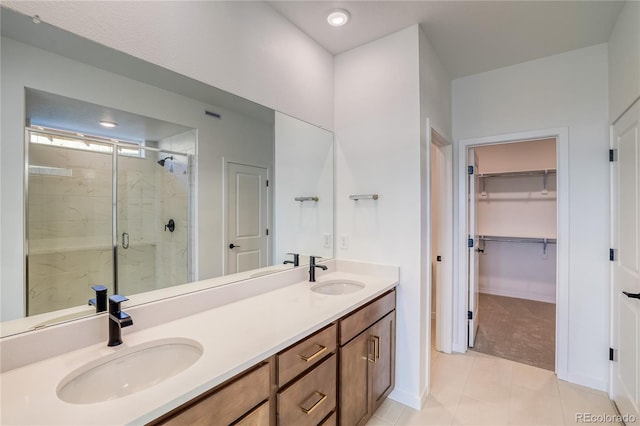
128, 370
337, 287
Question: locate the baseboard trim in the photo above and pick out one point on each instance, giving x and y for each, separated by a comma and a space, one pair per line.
588, 381
407, 398
518, 295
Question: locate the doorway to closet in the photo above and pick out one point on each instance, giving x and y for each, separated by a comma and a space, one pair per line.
512, 262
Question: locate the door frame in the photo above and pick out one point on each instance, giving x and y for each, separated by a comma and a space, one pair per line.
444, 298
461, 286
225, 219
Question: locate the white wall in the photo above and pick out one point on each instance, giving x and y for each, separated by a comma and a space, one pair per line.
304, 167
624, 60
245, 48
384, 92
566, 90
378, 151
233, 137
435, 109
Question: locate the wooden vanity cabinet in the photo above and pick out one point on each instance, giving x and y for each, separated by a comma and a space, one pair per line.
243, 400
338, 375
367, 360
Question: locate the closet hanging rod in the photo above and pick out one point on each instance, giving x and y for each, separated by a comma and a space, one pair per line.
364, 197
543, 241
306, 199
516, 174
518, 239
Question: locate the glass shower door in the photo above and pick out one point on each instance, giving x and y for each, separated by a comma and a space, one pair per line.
152, 220
69, 221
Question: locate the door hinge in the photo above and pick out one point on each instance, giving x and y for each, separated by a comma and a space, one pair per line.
470, 170
612, 254
267, 182
469, 315
611, 354
612, 155
267, 231
470, 242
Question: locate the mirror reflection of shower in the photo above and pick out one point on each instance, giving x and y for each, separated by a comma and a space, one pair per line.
96, 204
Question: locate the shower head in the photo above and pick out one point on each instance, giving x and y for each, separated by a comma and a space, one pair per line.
161, 162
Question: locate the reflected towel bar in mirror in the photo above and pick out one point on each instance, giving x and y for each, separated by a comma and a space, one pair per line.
306, 199
364, 197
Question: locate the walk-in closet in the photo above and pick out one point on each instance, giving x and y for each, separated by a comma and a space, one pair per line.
514, 209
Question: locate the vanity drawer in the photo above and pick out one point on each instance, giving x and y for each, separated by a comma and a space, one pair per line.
228, 403
306, 353
361, 319
258, 417
309, 400
332, 420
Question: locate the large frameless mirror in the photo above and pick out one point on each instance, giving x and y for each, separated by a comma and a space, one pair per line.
193, 184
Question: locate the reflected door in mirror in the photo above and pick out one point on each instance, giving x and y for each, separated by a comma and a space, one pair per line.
247, 214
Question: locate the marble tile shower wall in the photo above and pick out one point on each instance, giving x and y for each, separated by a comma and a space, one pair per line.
173, 249
70, 226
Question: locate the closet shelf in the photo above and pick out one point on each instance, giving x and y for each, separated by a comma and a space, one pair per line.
544, 173
517, 239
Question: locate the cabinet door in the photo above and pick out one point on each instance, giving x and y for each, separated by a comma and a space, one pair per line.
384, 353
355, 408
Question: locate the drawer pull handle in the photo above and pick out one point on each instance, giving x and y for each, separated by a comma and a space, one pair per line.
316, 354
319, 399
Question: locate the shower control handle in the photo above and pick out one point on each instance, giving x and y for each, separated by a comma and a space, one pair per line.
232, 246
125, 240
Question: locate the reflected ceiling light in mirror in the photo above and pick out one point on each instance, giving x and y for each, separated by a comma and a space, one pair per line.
338, 17
109, 124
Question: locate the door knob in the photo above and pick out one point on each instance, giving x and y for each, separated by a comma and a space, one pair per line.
232, 246
631, 295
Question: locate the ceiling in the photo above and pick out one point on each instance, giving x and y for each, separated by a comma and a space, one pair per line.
469, 36
59, 112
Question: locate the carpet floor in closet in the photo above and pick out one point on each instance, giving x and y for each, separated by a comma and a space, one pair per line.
517, 329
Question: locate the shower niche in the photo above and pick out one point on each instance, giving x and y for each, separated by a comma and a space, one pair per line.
98, 204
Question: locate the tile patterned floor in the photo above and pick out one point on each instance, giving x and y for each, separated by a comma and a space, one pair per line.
479, 389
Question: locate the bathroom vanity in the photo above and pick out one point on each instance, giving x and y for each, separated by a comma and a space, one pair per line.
290, 355
353, 357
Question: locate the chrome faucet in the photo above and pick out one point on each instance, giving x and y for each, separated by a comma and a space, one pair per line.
295, 261
117, 320
100, 301
313, 266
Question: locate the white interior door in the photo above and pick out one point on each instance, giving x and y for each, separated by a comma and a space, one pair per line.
247, 215
625, 274
474, 259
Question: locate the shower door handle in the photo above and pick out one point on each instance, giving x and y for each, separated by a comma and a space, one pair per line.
125, 240
631, 295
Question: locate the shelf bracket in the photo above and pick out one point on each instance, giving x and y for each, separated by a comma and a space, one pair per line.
545, 177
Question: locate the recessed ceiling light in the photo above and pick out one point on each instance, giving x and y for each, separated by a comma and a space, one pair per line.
338, 17
109, 124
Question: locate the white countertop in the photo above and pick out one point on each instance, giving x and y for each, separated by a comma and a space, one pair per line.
234, 336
